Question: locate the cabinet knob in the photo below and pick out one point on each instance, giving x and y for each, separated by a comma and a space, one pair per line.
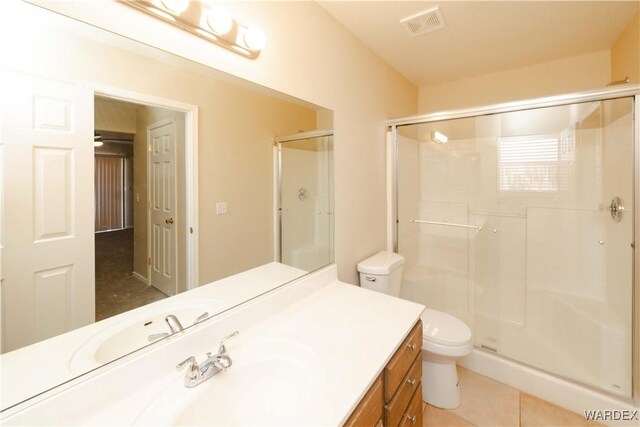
411, 382
411, 418
412, 346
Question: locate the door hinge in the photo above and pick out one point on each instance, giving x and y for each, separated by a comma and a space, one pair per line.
149, 147
149, 261
191, 230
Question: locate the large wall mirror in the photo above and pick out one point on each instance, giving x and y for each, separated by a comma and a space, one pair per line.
142, 193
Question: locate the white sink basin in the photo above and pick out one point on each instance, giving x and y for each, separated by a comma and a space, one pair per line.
137, 334
132, 333
279, 386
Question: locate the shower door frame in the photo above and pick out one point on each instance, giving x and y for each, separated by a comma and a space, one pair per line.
278, 141
608, 93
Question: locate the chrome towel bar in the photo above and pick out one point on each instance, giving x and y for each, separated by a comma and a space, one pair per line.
447, 224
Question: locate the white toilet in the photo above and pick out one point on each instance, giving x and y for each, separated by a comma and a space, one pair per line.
444, 337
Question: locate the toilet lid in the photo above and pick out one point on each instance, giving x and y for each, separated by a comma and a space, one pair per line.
442, 328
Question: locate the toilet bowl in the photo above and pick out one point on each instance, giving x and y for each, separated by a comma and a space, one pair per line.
444, 337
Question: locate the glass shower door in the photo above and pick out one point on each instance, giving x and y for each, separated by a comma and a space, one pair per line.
436, 193
554, 264
521, 225
306, 202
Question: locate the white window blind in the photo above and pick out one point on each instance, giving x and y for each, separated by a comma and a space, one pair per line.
108, 193
529, 163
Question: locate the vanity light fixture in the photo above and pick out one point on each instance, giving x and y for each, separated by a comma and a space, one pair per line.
439, 138
254, 39
162, 14
175, 6
220, 21
210, 23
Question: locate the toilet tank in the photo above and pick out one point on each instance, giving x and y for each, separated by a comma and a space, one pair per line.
382, 273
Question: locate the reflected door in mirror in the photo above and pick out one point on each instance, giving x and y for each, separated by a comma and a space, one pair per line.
48, 263
162, 141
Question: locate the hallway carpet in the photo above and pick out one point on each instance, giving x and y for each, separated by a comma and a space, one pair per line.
117, 290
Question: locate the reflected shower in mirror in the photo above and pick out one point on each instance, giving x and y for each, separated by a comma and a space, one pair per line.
140, 195
305, 172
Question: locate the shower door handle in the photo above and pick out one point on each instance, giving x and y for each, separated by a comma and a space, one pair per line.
616, 209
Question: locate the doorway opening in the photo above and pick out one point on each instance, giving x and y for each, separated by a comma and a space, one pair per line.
139, 213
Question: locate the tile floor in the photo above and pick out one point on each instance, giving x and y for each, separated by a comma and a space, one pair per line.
117, 290
486, 402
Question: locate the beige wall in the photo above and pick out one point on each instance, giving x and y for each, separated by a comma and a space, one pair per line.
311, 56
114, 116
625, 53
577, 73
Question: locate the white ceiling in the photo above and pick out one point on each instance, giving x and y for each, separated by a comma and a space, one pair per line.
482, 37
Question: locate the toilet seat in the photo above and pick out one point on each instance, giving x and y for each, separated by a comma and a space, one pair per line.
444, 334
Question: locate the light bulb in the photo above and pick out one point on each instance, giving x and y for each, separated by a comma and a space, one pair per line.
254, 38
438, 137
176, 6
220, 21
97, 143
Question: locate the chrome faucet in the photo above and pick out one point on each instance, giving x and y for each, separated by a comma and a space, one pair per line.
199, 373
175, 326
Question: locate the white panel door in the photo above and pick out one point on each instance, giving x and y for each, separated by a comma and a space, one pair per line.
48, 241
162, 206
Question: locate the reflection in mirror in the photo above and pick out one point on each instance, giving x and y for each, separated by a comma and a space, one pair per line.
131, 176
305, 202
137, 147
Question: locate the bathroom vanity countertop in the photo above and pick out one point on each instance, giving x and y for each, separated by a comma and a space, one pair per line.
306, 355
348, 334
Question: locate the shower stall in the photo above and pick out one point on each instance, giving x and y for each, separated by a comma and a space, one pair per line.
304, 192
519, 220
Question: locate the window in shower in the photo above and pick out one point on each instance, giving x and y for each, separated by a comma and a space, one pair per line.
515, 235
529, 163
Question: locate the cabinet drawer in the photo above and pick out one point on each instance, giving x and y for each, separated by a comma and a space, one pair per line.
395, 409
370, 410
412, 416
400, 363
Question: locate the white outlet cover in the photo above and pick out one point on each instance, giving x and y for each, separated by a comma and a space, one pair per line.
221, 208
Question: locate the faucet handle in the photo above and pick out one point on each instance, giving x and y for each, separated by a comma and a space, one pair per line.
222, 349
202, 317
156, 337
190, 361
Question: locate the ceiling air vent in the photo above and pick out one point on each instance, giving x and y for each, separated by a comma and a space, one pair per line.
423, 22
